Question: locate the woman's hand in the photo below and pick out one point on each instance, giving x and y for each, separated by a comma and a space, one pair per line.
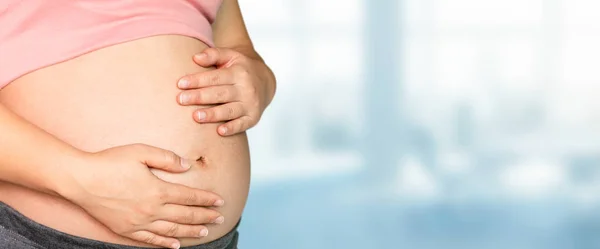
242, 87
116, 187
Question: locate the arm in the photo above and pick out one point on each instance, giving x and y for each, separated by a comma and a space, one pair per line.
229, 30
31, 157
150, 211
243, 84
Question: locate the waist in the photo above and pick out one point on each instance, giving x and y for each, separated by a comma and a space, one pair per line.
22, 230
120, 95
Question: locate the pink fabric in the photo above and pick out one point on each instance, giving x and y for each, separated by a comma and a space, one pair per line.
38, 33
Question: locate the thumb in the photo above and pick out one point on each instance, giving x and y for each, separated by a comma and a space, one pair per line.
164, 160
219, 57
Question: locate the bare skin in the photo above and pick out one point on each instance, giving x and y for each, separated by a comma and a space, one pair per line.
117, 103
243, 85
125, 102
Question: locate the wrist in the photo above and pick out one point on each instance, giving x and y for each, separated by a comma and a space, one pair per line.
248, 51
62, 180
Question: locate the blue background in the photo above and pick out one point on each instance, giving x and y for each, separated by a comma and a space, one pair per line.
427, 124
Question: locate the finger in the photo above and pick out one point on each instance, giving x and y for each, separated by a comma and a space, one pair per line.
224, 112
174, 230
183, 195
161, 159
220, 57
209, 95
235, 126
156, 240
188, 215
217, 77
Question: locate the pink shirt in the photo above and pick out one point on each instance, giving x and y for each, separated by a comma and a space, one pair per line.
38, 33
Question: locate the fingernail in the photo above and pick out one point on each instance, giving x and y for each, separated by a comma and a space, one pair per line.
201, 115
219, 220
185, 163
175, 245
183, 83
223, 130
219, 203
183, 98
200, 56
203, 232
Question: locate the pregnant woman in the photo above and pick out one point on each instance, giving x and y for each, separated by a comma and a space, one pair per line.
122, 122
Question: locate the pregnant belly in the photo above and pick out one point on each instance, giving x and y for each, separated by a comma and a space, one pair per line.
121, 95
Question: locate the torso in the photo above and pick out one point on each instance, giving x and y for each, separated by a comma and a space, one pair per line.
119, 95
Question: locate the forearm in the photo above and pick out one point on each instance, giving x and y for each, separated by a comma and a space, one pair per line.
32, 158
229, 30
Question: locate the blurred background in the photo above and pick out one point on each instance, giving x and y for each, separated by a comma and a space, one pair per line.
427, 124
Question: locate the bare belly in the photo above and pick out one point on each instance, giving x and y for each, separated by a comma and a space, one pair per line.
121, 95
